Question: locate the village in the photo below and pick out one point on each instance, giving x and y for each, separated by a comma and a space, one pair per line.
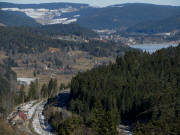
126, 38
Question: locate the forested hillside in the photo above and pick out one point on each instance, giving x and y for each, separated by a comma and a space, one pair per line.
124, 15
7, 97
67, 29
7, 90
165, 25
119, 17
11, 18
33, 40
139, 88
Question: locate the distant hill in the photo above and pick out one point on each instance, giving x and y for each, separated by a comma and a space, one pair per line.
131, 17
67, 29
42, 5
11, 18
124, 16
164, 25
46, 13
35, 40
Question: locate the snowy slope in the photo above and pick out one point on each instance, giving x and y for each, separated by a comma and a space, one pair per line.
47, 16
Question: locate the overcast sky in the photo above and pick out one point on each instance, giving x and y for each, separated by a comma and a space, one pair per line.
100, 2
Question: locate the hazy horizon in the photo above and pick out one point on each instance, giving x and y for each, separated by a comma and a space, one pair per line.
100, 3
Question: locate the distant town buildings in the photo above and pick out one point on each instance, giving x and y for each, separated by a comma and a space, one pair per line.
134, 38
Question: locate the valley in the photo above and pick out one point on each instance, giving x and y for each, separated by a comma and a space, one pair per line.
76, 69
135, 24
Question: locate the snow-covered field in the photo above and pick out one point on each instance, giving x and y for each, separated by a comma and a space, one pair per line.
47, 16
26, 80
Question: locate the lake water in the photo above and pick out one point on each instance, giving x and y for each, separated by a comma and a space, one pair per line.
152, 47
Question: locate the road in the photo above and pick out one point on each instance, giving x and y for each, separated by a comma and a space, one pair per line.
34, 122
41, 128
38, 121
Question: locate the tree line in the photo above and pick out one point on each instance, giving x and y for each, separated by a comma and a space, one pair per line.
138, 88
35, 91
34, 40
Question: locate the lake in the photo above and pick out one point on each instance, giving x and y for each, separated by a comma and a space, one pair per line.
152, 47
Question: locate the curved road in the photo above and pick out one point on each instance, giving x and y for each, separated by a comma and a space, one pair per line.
38, 121
40, 127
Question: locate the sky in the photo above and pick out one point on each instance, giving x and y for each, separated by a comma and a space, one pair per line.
99, 3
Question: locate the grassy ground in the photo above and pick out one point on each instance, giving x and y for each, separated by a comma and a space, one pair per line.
78, 61
23, 73
5, 129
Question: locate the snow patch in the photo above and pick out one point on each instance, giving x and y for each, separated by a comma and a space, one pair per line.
56, 21
26, 80
70, 21
76, 16
120, 6
47, 15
